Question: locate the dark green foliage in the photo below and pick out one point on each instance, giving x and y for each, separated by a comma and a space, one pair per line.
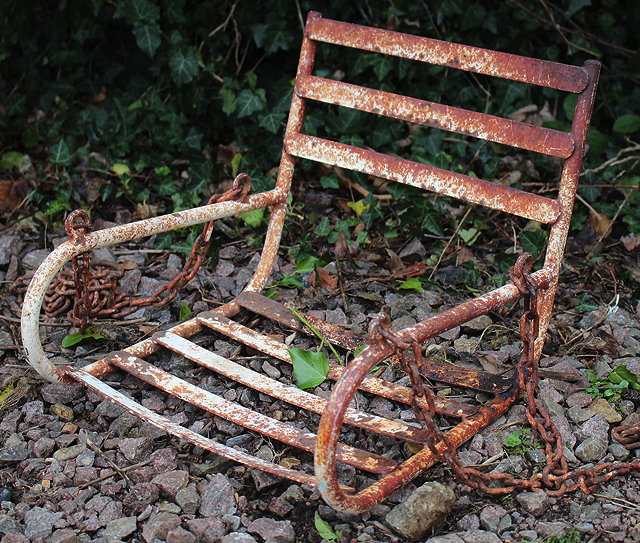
153, 82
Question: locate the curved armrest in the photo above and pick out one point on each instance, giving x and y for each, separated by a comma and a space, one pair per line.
30, 329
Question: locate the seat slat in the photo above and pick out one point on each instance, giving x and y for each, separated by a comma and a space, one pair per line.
545, 73
243, 416
162, 422
281, 391
456, 185
373, 385
479, 125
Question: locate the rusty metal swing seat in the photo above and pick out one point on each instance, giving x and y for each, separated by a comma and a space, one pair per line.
555, 212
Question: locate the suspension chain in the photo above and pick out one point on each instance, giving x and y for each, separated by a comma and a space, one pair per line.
88, 306
555, 478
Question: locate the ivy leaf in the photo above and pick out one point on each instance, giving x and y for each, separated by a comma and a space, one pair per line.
185, 311
194, 139
627, 124
309, 368
325, 531
252, 218
290, 281
148, 38
73, 339
430, 223
137, 10
248, 103
623, 374
228, 100
271, 121
413, 284
59, 153
184, 67
533, 241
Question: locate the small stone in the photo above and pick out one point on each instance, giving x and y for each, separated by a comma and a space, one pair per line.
414, 247
604, 408
9, 524
63, 412
479, 536
120, 528
33, 259
550, 529
528, 535
579, 414
427, 507
619, 451
159, 525
139, 497
207, 530
277, 531
478, 324
238, 537
188, 499
218, 497
61, 394
449, 538
164, 460
180, 535
263, 480
14, 453
63, 536
490, 517
171, 482
43, 447
592, 449
465, 345
579, 399
293, 494
469, 522
69, 453
38, 522
535, 503
337, 316
13, 537
135, 448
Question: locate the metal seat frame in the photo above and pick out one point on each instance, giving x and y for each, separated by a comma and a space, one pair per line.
555, 212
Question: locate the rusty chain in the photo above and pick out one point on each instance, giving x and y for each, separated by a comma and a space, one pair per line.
93, 288
556, 477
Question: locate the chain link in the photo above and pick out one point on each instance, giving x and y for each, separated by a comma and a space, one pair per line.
95, 287
555, 477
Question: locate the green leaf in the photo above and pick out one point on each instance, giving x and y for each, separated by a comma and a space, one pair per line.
431, 223
585, 304
569, 105
309, 367
329, 182
148, 38
194, 139
324, 228
359, 349
272, 121
627, 124
248, 103
184, 67
252, 218
137, 10
513, 440
468, 235
306, 264
325, 531
13, 160
577, 5
533, 241
413, 283
623, 374
290, 281
185, 311
73, 339
228, 100
59, 153
120, 169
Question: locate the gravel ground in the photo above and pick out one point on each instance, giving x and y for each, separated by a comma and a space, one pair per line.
75, 468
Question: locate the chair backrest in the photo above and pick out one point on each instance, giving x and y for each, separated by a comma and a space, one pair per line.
568, 146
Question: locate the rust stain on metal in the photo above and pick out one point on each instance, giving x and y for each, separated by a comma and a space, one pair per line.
453, 119
463, 57
456, 185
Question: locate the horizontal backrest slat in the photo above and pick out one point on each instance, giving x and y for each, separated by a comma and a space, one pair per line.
472, 123
463, 57
464, 187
